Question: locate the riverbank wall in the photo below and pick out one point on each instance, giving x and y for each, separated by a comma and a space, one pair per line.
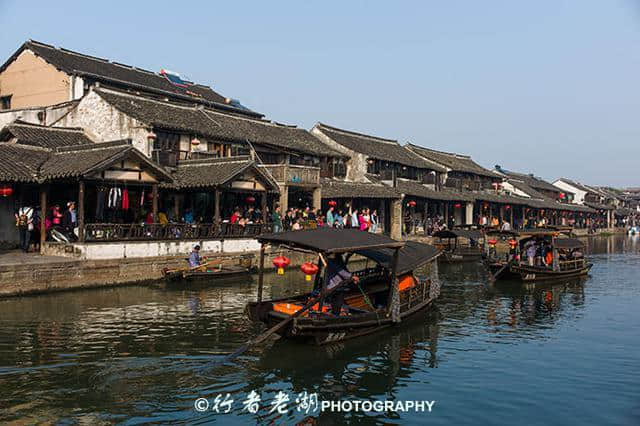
44, 274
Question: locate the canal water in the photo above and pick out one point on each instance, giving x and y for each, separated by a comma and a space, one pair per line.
567, 353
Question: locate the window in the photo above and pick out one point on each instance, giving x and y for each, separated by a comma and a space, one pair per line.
5, 102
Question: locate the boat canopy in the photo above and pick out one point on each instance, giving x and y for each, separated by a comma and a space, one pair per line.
472, 234
331, 240
412, 256
568, 243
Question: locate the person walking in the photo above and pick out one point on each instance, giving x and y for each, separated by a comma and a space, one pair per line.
24, 221
330, 218
277, 220
374, 221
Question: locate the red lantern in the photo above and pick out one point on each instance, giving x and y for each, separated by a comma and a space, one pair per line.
195, 141
309, 269
485, 205
152, 136
411, 203
457, 205
492, 242
250, 200
513, 243
507, 207
332, 203
281, 262
6, 191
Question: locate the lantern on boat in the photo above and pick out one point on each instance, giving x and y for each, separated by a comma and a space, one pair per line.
6, 191
457, 205
492, 243
411, 203
250, 200
309, 269
281, 262
332, 203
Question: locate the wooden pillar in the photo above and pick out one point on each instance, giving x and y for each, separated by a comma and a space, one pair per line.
81, 211
501, 214
176, 207
524, 214
216, 211
261, 273
317, 198
511, 216
445, 206
154, 208
263, 207
43, 216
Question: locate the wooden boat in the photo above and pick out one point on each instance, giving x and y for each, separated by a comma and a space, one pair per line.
212, 270
565, 255
205, 274
384, 295
459, 245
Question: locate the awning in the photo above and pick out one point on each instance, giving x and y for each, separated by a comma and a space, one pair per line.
412, 256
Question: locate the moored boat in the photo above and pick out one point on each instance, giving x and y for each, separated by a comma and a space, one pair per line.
459, 245
364, 301
535, 255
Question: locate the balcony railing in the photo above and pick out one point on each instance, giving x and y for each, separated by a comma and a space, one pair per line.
289, 173
107, 232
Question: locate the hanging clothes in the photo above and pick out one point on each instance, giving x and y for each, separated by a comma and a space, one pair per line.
115, 197
125, 199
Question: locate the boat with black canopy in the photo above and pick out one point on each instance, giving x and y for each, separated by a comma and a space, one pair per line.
343, 304
459, 245
535, 255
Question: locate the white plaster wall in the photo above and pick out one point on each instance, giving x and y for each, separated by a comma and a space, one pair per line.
508, 187
578, 194
105, 123
357, 164
240, 246
141, 249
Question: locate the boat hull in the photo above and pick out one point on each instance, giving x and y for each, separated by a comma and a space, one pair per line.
321, 330
527, 273
201, 276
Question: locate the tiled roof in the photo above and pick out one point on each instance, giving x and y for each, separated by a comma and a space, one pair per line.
215, 172
102, 69
81, 160
375, 147
30, 163
20, 163
529, 179
417, 189
455, 162
44, 136
220, 126
576, 185
342, 189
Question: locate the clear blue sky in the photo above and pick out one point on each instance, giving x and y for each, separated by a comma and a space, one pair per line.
550, 87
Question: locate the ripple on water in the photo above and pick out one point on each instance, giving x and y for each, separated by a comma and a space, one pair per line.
558, 353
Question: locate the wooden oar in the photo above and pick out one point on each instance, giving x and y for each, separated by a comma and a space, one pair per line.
281, 324
498, 272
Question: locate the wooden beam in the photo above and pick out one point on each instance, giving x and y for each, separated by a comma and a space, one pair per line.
263, 206
43, 216
154, 208
216, 202
81, 211
261, 273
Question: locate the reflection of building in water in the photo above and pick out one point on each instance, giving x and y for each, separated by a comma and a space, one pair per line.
531, 304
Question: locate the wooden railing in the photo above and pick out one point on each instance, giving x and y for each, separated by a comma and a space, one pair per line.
290, 173
571, 264
170, 232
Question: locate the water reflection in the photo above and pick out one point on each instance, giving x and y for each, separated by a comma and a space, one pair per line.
145, 353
